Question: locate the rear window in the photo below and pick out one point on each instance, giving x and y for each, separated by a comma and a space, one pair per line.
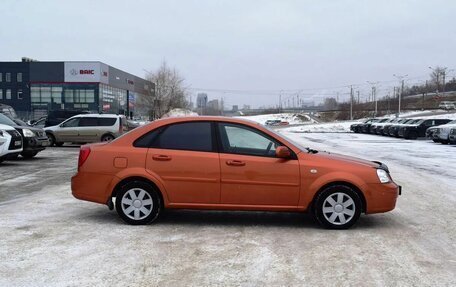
106, 122
195, 136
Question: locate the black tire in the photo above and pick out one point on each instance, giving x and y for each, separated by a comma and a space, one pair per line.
150, 193
107, 138
323, 201
29, 154
59, 144
436, 141
444, 142
51, 138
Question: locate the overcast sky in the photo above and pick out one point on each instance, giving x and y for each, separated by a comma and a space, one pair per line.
266, 46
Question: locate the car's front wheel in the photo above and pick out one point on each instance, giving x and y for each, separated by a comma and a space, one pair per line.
337, 207
138, 203
29, 154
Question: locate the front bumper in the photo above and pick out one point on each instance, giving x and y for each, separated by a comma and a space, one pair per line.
35, 144
382, 197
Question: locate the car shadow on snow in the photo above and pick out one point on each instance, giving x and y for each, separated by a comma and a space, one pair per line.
201, 218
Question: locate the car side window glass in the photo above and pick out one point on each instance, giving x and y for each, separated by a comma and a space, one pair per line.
243, 140
147, 139
71, 123
106, 122
194, 136
88, 122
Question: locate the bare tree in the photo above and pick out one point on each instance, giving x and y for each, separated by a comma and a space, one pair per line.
169, 93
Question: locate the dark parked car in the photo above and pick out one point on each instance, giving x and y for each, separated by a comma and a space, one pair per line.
58, 116
453, 136
34, 139
365, 127
384, 130
419, 128
394, 129
376, 127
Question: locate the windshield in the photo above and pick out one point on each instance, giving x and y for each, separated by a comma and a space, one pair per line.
6, 121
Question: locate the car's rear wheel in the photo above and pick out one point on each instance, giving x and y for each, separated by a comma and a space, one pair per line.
107, 138
337, 207
51, 138
138, 203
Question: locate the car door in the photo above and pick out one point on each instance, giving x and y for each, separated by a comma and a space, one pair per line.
184, 157
67, 131
88, 130
250, 172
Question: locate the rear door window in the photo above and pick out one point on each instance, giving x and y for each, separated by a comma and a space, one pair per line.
88, 122
106, 122
194, 136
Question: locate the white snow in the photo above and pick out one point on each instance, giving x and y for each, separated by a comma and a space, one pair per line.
291, 118
179, 113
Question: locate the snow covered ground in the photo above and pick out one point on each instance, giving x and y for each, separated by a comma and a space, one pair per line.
291, 118
48, 238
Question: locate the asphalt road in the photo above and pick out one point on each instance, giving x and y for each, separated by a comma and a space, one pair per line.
48, 238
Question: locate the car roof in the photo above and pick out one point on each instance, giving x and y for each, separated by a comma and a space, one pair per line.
98, 115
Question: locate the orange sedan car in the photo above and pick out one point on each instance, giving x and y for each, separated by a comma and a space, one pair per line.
227, 164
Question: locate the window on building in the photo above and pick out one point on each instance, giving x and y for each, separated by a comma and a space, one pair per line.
186, 136
1, 94
19, 77
56, 94
8, 94
8, 77
19, 94
69, 97
35, 94
1, 77
45, 94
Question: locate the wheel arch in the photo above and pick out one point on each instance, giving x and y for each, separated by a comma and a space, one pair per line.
107, 134
345, 183
124, 181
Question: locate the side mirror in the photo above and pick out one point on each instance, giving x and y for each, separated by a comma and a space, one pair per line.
283, 152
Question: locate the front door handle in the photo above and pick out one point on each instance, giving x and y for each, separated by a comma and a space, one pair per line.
235, 162
161, 157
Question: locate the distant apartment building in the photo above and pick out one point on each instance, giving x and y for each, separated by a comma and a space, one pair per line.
214, 104
201, 100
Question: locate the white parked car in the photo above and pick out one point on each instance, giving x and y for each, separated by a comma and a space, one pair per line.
10, 142
446, 105
87, 128
442, 133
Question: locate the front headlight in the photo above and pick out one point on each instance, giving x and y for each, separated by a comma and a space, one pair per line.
28, 133
383, 176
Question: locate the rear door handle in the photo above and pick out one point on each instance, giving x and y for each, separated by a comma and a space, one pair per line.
235, 162
161, 157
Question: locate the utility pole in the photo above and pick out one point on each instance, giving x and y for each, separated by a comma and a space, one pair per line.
358, 97
351, 102
401, 79
374, 95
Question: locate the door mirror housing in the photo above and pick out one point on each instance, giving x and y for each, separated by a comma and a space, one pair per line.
283, 152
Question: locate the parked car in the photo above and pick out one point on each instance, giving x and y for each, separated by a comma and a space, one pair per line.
365, 128
58, 116
87, 128
394, 129
376, 127
272, 122
227, 163
452, 137
442, 133
357, 126
7, 111
384, 131
419, 129
10, 142
34, 139
446, 105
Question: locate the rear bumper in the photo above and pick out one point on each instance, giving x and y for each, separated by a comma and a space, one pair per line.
92, 187
382, 197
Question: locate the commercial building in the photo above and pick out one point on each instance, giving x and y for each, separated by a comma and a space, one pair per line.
34, 88
201, 100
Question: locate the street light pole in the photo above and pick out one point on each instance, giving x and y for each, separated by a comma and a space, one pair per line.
401, 79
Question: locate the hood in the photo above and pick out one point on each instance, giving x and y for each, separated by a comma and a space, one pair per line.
33, 129
6, 127
446, 126
347, 159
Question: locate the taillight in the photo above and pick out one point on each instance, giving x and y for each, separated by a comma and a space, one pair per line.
84, 153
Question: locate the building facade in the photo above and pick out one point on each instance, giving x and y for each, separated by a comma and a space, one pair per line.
35, 88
